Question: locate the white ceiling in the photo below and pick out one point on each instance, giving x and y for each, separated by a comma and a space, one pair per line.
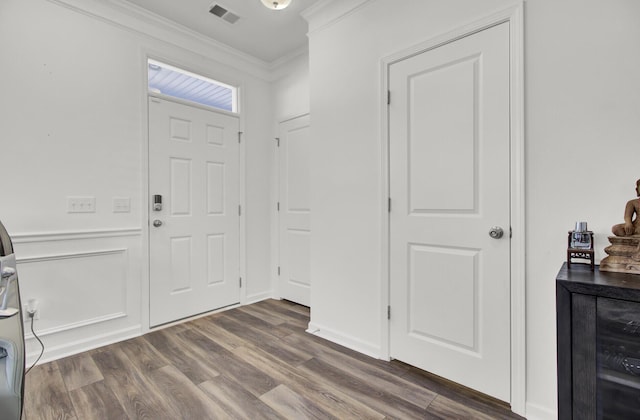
260, 32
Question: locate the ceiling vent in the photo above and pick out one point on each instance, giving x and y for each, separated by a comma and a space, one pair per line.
223, 13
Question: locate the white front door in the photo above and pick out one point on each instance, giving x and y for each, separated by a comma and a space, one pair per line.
449, 184
294, 210
194, 239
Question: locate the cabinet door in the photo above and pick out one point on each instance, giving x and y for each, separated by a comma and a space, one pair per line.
618, 359
583, 343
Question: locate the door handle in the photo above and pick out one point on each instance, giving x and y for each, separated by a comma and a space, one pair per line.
496, 232
157, 223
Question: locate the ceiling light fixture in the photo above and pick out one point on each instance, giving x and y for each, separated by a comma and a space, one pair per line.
276, 4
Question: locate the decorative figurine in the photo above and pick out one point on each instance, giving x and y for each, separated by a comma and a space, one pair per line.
623, 255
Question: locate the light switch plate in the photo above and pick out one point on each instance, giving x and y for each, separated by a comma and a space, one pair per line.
121, 204
85, 204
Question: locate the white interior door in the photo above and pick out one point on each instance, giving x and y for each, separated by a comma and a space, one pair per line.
294, 210
449, 183
194, 252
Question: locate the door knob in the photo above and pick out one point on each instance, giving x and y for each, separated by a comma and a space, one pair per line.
496, 232
157, 223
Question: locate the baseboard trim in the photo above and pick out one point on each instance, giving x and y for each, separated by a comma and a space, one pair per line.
345, 340
79, 346
76, 325
538, 412
258, 297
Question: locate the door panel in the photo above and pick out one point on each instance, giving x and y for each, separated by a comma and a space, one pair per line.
443, 100
442, 295
449, 182
297, 169
194, 254
215, 188
180, 187
215, 258
298, 246
181, 260
295, 211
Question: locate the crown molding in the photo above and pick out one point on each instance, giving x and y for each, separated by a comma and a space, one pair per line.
328, 12
139, 21
283, 66
292, 56
142, 13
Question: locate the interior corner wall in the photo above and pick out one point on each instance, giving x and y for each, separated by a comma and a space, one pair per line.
73, 124
582, 100
258, 146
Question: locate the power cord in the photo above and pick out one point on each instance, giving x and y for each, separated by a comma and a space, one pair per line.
32, 315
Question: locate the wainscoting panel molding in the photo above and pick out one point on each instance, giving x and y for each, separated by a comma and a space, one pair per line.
74, 288
87, 285
20, 238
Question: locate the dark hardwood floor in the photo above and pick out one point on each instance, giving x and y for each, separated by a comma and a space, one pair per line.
253, 362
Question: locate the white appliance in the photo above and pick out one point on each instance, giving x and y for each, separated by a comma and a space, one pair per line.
11, 334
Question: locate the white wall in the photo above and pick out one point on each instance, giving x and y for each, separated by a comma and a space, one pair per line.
583, 102
73, 123
258, 143
291, 89
582, 148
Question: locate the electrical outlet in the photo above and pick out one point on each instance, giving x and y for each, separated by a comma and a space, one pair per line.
121, 204
25, 314
81, 204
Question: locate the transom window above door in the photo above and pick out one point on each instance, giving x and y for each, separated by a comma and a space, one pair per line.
172, 81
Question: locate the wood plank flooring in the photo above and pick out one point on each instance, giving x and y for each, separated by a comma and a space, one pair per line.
252, 362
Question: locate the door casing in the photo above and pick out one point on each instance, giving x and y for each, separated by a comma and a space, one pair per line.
514, 16
196, 67
283, 264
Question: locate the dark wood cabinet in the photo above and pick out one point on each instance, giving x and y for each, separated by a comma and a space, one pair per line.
598, 334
